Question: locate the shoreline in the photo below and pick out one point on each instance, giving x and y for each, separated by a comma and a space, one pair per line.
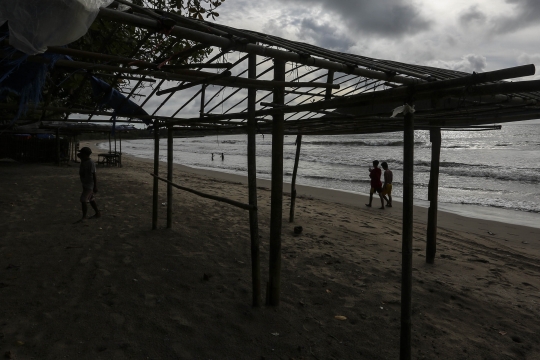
499, 231
497, 215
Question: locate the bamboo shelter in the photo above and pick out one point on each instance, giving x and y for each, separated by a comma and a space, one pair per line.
257, 83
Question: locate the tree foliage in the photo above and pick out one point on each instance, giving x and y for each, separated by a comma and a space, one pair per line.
71, 88
132, 42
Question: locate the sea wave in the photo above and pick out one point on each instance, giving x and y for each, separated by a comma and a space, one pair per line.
330, 178
530, 207
361, 143
232, 142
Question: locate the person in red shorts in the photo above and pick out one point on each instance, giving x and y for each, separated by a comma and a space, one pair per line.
376, 184
87, 173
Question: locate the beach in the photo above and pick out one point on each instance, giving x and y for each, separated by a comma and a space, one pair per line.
112, 288
496, 173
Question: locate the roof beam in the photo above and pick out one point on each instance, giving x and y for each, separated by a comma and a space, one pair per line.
249, 48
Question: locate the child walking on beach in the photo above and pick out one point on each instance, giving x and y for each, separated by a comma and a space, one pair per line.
376, 185
87, 173
387, 186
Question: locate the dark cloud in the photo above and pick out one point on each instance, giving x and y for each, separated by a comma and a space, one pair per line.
324, 35
525, 14
472, 16
388, 18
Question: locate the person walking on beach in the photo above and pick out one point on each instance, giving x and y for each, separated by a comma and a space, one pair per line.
387, 186
222, 157
87, 173
376, 185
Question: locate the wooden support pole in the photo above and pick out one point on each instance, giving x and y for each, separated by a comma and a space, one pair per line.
68, 152
208, 196
120, 136
169, 175
57, 146
327, 96
433, 195
293, 180
252, 185
74, 149
156, 173
276, 211
201, 109
407, 237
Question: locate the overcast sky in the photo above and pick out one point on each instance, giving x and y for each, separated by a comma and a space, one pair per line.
466, 35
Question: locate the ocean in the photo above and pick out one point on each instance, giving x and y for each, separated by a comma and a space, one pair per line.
480, 171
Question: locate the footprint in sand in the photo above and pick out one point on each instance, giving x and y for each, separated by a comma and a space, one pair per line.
118, 319
85, 260
182, 321
105, 272
150, 300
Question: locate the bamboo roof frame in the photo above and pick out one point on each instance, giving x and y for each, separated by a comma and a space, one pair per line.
355, 94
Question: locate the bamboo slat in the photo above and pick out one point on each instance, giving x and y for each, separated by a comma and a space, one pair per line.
208, 196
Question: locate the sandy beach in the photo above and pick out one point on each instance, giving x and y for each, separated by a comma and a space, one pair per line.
111, 288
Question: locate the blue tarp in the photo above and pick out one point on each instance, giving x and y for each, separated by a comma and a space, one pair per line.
25, 79
108, 97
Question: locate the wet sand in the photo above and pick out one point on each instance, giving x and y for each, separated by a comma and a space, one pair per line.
111, 288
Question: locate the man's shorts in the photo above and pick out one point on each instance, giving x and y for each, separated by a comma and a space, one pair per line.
387, 190
372, 191
87, 195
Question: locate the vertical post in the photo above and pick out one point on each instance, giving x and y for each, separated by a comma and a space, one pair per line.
68, 153
327, 96
110, 142
433, 195
120, 157
329, 80
156, 172
276, 197
57, 146
293, 181
407, 236
76, 148
115, 158
201, 110
252, 185
169, 175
